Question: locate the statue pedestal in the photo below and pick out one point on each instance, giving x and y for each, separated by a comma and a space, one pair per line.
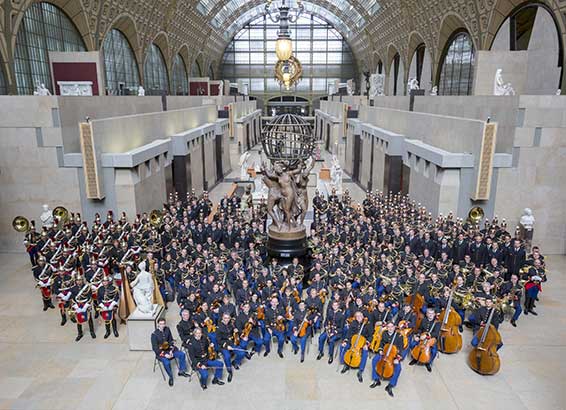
286, 244
140, 327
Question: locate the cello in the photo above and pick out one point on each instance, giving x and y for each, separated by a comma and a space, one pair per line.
450, 321
483, 358
422, 351
385, 367
353, 356
416, 300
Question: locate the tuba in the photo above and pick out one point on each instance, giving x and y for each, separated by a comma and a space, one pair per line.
155, 217
61, 214
21, 224
475, 215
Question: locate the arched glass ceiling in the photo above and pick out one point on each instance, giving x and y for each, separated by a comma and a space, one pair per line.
350, 19
259, 10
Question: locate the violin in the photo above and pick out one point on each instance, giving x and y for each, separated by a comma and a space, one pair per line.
210, 326
422, 352
405, 331
377, 333
296, 296
261, 313
386, 366
211, 352
483, 358
236, 337
247, 330
280, 325
306, 323
322, 295
450, 321
353, 356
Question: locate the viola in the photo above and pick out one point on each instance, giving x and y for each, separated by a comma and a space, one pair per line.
353, 356
450, 338
236, 337
405, 331
376, 338
260, 313
211, 352
247, 330
483, 358
386, 366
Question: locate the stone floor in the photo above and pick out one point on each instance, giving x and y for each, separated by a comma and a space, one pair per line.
41, 367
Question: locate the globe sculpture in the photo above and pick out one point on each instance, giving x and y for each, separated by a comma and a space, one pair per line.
288, 143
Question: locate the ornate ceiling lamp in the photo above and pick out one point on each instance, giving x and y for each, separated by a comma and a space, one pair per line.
288, 72
284, 15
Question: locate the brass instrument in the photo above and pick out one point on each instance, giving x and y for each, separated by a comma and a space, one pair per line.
155, 217
475, 215
61, 214
21, 224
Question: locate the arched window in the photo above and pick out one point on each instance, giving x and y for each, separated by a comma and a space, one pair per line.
180, 82
119, 64
44, 28
155, 71
394, 76
195, 69
457, 66
380, 67
419, 56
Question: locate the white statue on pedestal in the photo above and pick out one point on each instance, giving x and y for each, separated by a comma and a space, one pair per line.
336, 174
41, 90
527, 219
244, 164
413, 84
141, 91
434, 90
46, 217
143, 291
559, 92
500, 87
377, 84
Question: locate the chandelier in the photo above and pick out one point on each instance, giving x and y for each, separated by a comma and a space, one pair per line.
288, 72
283, 14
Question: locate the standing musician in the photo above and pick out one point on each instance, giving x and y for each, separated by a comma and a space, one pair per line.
44, 283
429, 329
388, 337
203, 358
333, 328
274, 326
108, 300
353, 331
165, 351
82, 311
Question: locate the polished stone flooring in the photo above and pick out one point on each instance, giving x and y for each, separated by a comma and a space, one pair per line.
42, 367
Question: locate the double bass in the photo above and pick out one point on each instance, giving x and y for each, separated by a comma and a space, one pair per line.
450, 321
483, 358
385, 367
353, 356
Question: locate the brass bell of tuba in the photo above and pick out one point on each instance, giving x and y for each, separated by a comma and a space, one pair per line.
61, 214
155, 217
21, 224
475, 215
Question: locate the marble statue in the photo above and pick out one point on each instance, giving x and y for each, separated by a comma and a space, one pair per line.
302, 192
273, 112
500, 87
434, 90
559, 92
143, 287
527, 222
377, 85
413, 84
46, 217
244, 165
141, 91
41, 90
336, 174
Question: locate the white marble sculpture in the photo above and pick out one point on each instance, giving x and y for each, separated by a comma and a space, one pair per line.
413, 84
559, 92
143, 287
377, 84
141, 91
336, 174
46, 217
527, 219
244, 165
41, 90
434, 90
499, 86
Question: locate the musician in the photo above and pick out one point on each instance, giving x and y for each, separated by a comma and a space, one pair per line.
225, 334
301, 317
532, 289
359, 326
406, 321
185, 327
62, 289
199, 350
515, 259
82, 309
108, 298
44, 283
429, 329
512, 292
315, 306
165, 351
274, 326
391, 337
333, 331
247, 318
483, 314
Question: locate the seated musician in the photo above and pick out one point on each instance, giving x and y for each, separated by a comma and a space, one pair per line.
242, 320
199, 349
483, 314
314, 304
512, 291
274, 326
185, 327
301, 317
389, 336
333, 326
429, 329
162, 345
406, 319
354, 330
225, 334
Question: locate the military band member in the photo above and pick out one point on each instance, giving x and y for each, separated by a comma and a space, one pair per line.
429, 329
358, 326
275, 325
390, 336
62, 289
82, 310
333, 331
200, 349
44, 283
225, 335
165, 351
108, 299
483, 314
185, 327
246, 318
512, 292
301, 317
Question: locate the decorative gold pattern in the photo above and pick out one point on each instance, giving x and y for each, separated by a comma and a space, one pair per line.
90, 165
485, 171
